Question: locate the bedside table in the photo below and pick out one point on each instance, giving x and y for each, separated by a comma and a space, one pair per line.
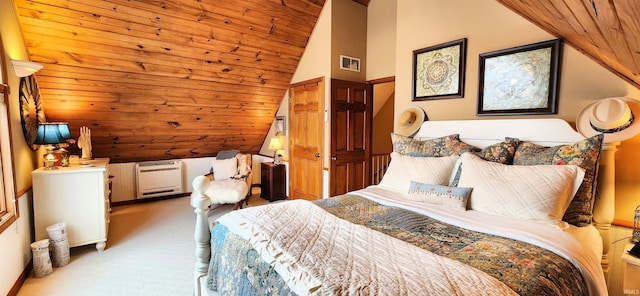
272, 181
631, 284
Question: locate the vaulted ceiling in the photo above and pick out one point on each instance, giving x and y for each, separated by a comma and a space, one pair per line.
164, 79
606, 30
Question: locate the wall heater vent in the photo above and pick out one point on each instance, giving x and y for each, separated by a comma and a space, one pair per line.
159, 178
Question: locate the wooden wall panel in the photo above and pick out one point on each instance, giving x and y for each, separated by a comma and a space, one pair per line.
166, 79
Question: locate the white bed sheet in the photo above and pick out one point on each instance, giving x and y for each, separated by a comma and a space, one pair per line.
581, 246
589, 237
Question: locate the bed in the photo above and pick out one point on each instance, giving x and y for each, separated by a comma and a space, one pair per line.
466, 207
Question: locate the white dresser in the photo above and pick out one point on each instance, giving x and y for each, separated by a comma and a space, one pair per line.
77, 195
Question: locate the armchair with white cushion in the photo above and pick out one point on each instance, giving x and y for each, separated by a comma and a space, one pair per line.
229, 181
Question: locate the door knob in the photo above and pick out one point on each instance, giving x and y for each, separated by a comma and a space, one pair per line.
334, 158
317, 155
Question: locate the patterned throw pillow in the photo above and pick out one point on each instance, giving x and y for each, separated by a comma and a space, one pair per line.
501, 152
585, 154
453, 197
444, 146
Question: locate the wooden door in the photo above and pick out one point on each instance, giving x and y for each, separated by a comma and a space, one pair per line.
306, 105
351, 116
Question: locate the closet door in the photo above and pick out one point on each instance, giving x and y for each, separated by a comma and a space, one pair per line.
306, 105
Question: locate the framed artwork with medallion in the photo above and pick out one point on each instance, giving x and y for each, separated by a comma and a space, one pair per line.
438, 71
31, 111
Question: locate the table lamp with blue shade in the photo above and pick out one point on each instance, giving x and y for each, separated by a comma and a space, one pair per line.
63, 128
52, 134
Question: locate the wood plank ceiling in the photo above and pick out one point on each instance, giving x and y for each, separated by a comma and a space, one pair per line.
606, 30
166, 79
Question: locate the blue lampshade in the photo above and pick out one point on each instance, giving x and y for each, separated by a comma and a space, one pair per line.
52, 133
64, 130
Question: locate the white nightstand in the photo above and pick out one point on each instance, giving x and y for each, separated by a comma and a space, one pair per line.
631, 285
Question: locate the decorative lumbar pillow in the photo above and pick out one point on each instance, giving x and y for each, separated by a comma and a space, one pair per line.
403, 169
224, 168
453, 197
585, 154
539, 193
444, 146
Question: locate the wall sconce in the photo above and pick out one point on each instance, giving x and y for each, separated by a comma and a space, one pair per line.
51, 134
25, 68
276, 146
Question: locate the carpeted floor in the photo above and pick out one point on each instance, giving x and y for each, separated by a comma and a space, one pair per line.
150, 251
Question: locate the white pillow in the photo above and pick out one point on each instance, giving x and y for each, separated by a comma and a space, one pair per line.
538, 193
452, 197
224, 168
404, 169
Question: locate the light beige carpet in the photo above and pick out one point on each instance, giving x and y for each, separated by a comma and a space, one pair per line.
150, 251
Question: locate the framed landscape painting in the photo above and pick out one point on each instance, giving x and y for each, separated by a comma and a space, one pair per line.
520, 80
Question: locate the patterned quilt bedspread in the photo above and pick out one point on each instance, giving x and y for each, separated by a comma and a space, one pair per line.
237, 269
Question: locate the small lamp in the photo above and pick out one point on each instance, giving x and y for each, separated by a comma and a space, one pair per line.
51, 134
635, 238
63, 128
275, 145
66, 134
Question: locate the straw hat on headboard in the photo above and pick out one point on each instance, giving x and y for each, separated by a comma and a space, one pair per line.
616, 118
410, 120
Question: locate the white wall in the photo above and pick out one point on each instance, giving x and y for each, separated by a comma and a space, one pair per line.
15, 250
381, 39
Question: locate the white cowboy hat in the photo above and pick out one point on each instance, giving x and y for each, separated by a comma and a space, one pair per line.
617, 118
410, 120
